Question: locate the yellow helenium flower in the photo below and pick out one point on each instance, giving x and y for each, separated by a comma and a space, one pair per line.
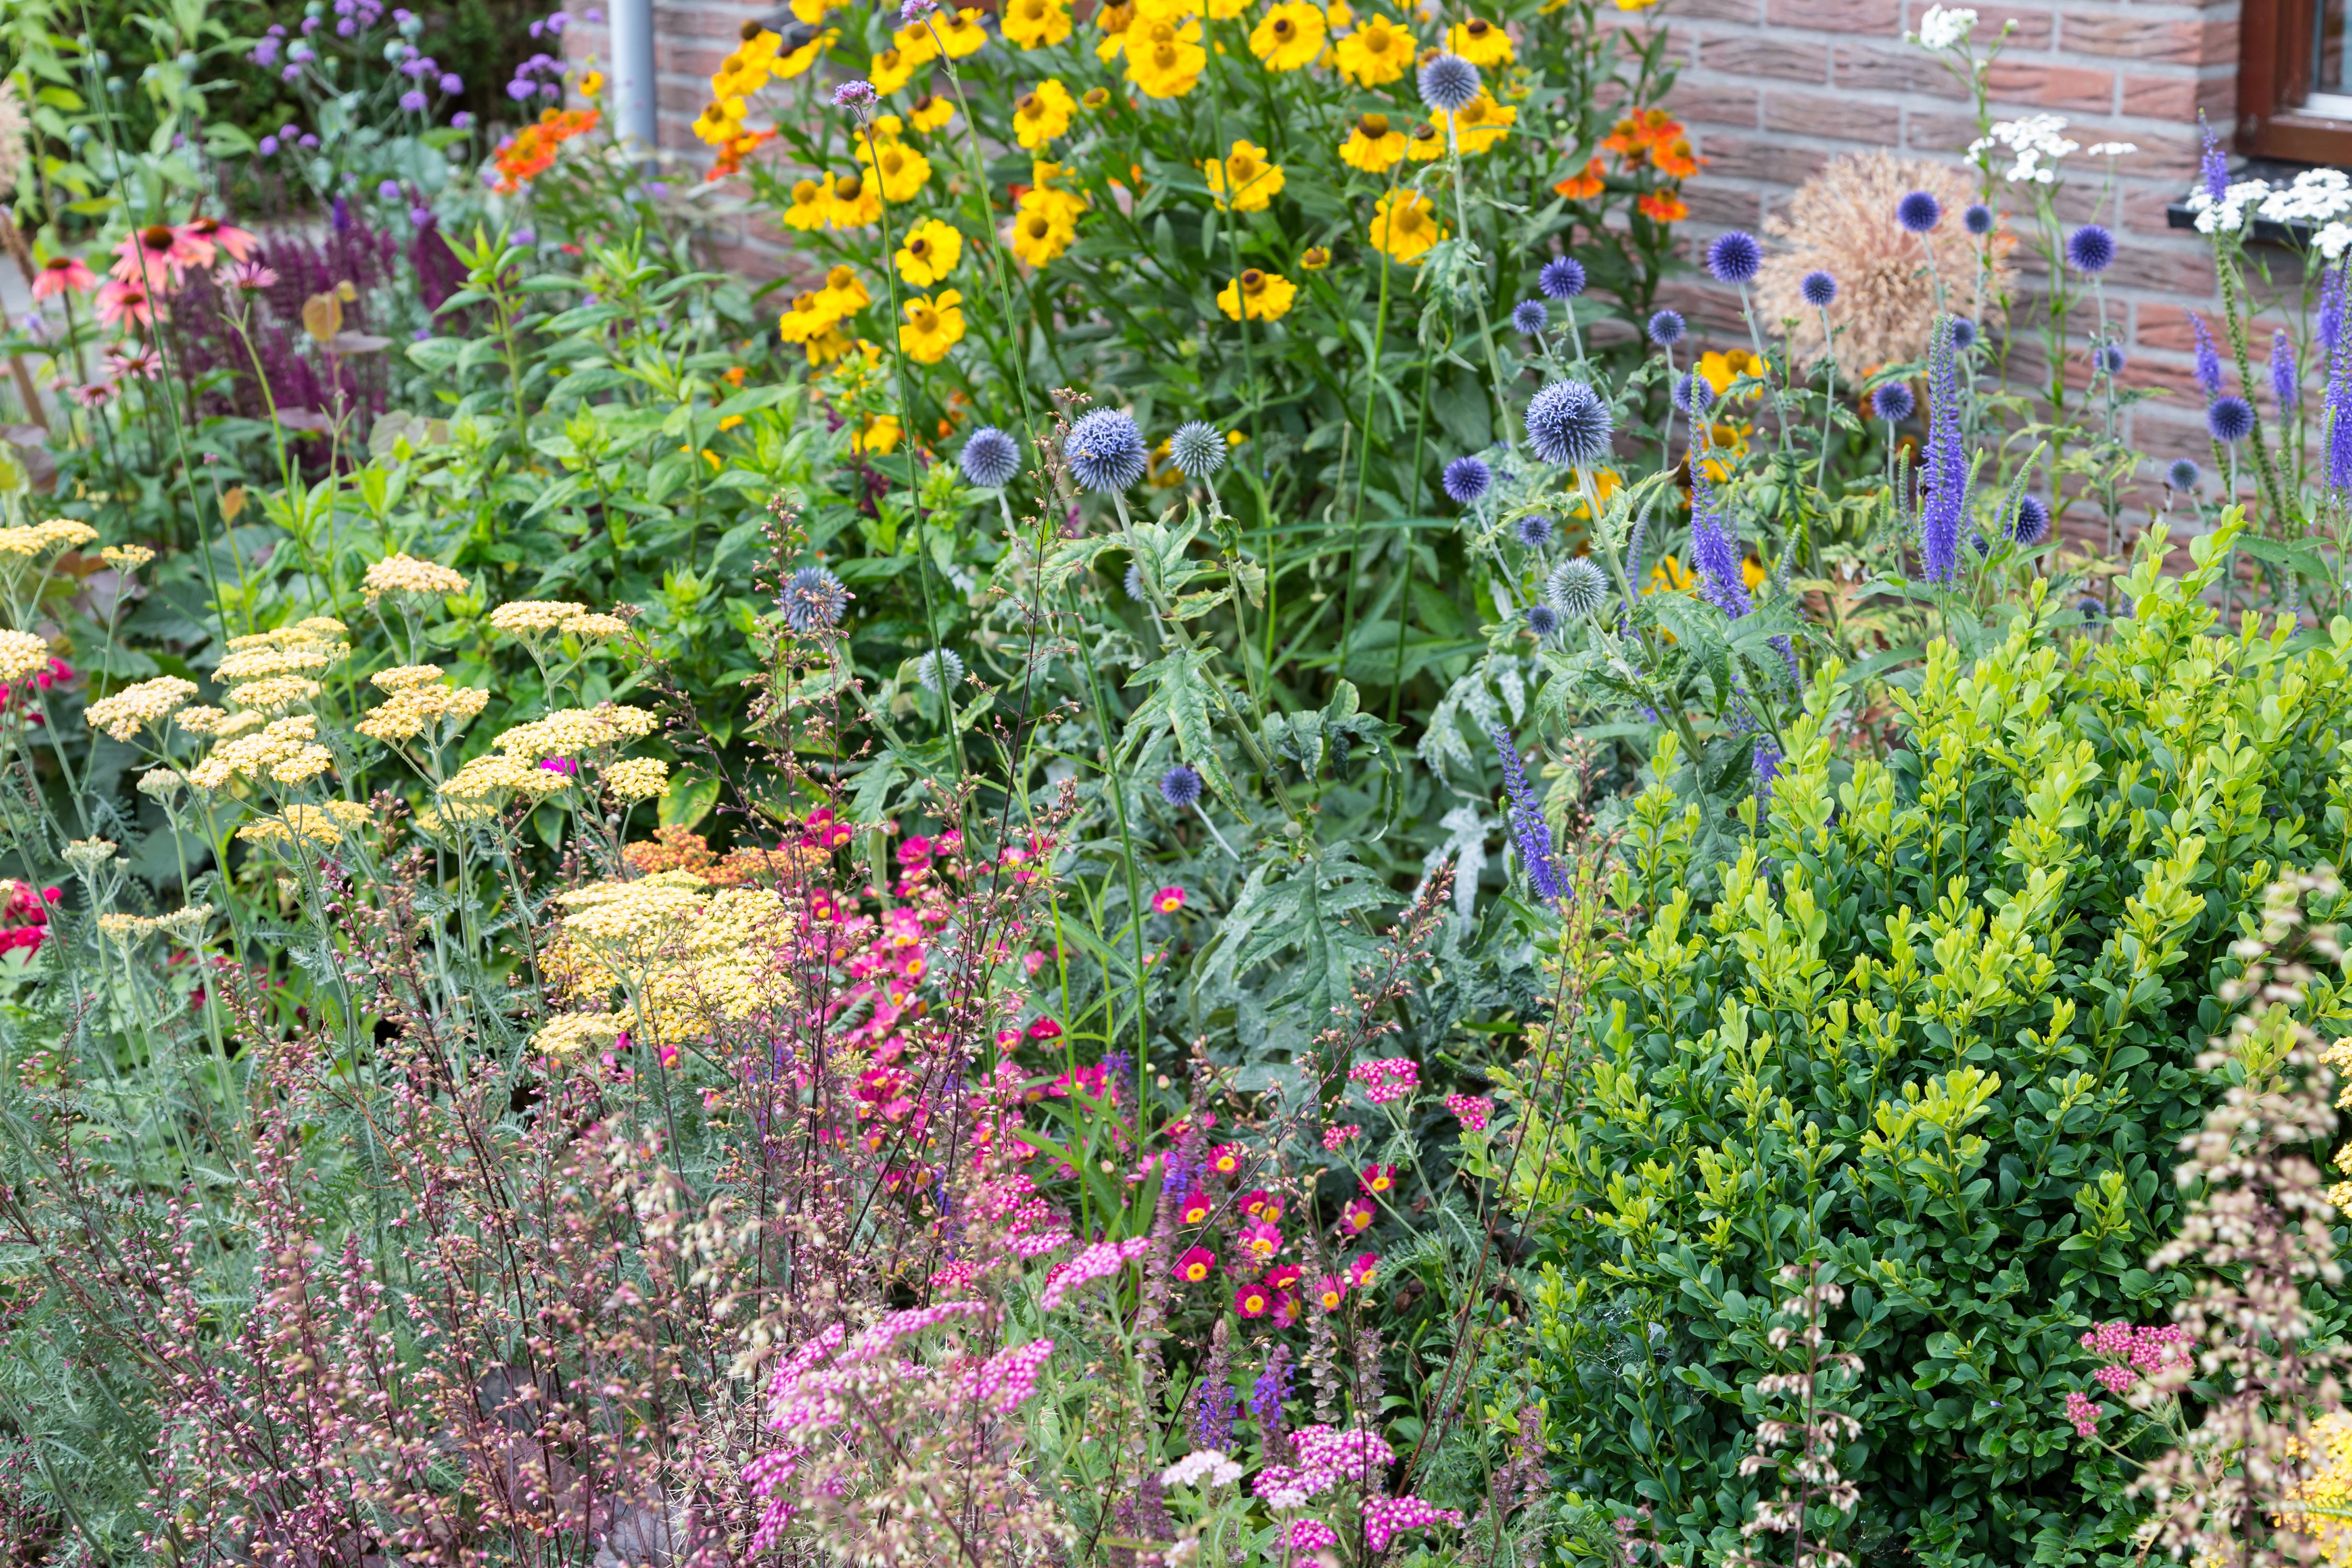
855, 203
915, 44
1040, 232
1043, 172
1314, 259
1375, 54
879, 433
1043, 114
783, 68
931, 112
890, 70
960, 33
812, 205
1251, 180
1114, 21
1405, 224
1477, 124
805, 321
1425, 144
1480, 42
1288, 37
933, 327
1266, 296
1036, 24
1372, 146
842, 294
811, 12
930, 254
1719, 370
899, 169
1164, 58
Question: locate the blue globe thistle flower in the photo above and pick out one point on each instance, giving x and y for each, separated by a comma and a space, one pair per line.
2091, 249
1894, 402
1542, 620
2089, 609
1692, 394
1448, 81
1197, 450
1133, 582
1106, 451
1569, 425
1535, 532
1818, 290
1576, 587
940, 672
1467, 479
1978, 219
2183, 474
1562, 278
989, 458
1667, 328
1734, 256
1179, 786
1964, 334
2230, 419
2110, 358
1528, 316
2032, 524
814, 601
1919, 212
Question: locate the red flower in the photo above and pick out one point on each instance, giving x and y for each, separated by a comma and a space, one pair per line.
1253, 1301
1584, 186
1284, 1277
1195, 1265
1045, 1030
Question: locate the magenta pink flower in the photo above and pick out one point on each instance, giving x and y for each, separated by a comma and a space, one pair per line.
1472, 1110
2084, 1413
1338, 1138
1388, 1078
1388, 1517
1312, 1535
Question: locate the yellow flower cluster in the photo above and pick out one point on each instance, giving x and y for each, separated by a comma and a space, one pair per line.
270, 672
21, 656
299, 824
497, 773
2323, 1501
1045, 220
126, 557
284, 750
634, 778
554, 617
685, 955
407, 574
575, 731
815, 317
760, 58
181, 925
418, 704
571, 1035
135, 707
1252, 181
33, 541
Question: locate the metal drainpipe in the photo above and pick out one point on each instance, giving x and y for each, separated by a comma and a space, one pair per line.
633, 97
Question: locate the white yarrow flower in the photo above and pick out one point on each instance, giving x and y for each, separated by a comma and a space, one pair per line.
1946, 28
1189, 1470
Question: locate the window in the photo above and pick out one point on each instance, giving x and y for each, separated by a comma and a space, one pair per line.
2294, 81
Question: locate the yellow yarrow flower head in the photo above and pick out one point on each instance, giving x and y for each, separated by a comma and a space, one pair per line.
1043, 114
897, 169
933, 327
931, 112
1477, 124
1036, 24
1375, 54
1372, 146
931, 253
1481, 42
1266, 295
1164, 58
1288, 37
1252, 181
1405, 225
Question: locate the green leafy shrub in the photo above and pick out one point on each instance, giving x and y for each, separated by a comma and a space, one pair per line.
1935, 1031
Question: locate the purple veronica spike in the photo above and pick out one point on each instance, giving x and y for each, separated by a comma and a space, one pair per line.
2209, 358
2328, 327
1714, 552
2285, 384
1945, 468
1528, 828
2339, 425
2214, 168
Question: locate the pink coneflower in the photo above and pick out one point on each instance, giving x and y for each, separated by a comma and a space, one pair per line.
120, 302
156, 256
210, 232
251, 277
143, 362
93, 394
61, 274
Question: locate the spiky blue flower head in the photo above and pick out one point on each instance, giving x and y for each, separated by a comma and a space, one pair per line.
2091, 249
2110, 358
1106, 451
1919, 212
2089, 609
2328, 326
1542, 620
2285, 384
1196, 449
814, 601
1133, 582
2231, 420
2213, 168
1568, 425
1964, 334
1894, 402
1179, 786
1467, 479
1576, 587
940, 671
1818, 288
1529, 831
2183, 474
1528, 316
1448, 81
1945, 470
989, 457
1562, 278
1715, 554
1734, 256
1535, 532
2032, 524
2209, 358
1667, 328
1978, 219
1692, 392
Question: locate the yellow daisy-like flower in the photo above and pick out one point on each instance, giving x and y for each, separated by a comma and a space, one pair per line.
855, 203
1044, 175
715, 127
1405, 224
1288, 37
1477, 124
931, 112
1425, 143
960, 33
592, 85
1251, 180
933, 327
1036, 24
931, 253
1096, 98
811, 12
842, 294
1266, 296
1314, 258
1372, 146
899, 169
1375, 54
812, 204
915, 44
879, 433
1605, 483
1043, 114
1481, 42
1165, 58
1719, 369
783, 68
1039, 232
1669, 576
1114, 21
890, 71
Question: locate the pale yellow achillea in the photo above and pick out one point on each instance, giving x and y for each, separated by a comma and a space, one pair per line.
135, 707
276, 693
406, 575
485, 777
299, 824
573, 731
261, 663
573, 1035
21, 656
525, 616
635, 778
126, 557
683, 957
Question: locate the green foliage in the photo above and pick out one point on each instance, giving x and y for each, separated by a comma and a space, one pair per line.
1934, 1029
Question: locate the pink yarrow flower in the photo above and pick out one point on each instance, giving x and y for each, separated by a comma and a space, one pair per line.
1385, 1519
1099, 1261
1387, 1080
1472, 1110
2084, 1413
1312, 1535
1338, 1138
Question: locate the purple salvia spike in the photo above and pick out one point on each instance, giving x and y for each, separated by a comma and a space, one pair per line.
1946, 469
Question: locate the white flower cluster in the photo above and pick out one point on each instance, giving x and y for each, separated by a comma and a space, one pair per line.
2227, 215
1201, 1464
2112, 148
2332, 240
2317, 195
1946, 28
2034, 145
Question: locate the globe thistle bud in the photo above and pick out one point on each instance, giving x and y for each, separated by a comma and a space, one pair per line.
1529, 317
1562, 278
2183, 474
1106, 451
1467, 479
1179, 786
989, 458
814, 601
1734, 256
2032, 524
940, 672
1919, 212
2091, 249
1964, 334
1892, 402
1818, 290
2230, 419
1568, 425
1694, 394
1535, 532
1577, 587
1978, 219
2110, 358
1667, 328
1448, 81
1197, 450
1133, 582
1542, 620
